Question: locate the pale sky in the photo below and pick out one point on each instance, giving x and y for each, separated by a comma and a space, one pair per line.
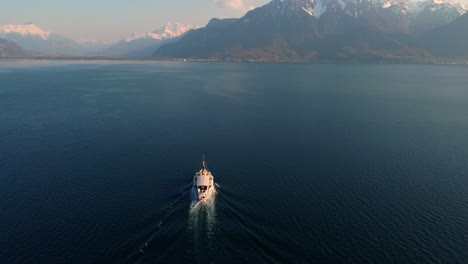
111, 20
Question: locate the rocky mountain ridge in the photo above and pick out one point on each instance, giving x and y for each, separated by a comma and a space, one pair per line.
10, 49
305, 30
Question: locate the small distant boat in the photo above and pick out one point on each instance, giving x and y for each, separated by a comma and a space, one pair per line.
203, 182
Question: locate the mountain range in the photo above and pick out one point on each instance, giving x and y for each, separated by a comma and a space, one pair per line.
283, 30
41, 42
321, 30
44, 43
430, 14
10, 49
143, 45
450, 40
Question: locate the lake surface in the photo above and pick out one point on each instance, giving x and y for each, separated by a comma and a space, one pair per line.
315, 163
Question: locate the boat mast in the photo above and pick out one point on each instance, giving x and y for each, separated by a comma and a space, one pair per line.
204, 163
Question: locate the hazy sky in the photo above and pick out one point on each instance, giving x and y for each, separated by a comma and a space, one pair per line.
111, 20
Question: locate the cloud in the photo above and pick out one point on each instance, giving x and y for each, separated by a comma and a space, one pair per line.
233, 4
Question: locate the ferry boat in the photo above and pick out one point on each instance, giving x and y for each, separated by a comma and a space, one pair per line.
203, 182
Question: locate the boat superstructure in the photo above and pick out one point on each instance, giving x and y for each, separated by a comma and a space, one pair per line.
203, 182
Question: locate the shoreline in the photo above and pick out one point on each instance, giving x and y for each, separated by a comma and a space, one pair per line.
394, 60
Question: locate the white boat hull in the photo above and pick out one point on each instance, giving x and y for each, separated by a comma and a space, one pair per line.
203, 183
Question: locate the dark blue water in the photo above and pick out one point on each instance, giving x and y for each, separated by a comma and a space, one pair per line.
315, 163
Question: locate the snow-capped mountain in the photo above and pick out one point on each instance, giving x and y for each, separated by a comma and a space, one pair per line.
301, 30
318, 7
437, 6
41, 42
358, 7
167, 31
429, 14
353, 30
26, 30
387, 15
354, 8
144, 44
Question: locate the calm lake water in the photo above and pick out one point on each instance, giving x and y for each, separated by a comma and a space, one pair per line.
315, 163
